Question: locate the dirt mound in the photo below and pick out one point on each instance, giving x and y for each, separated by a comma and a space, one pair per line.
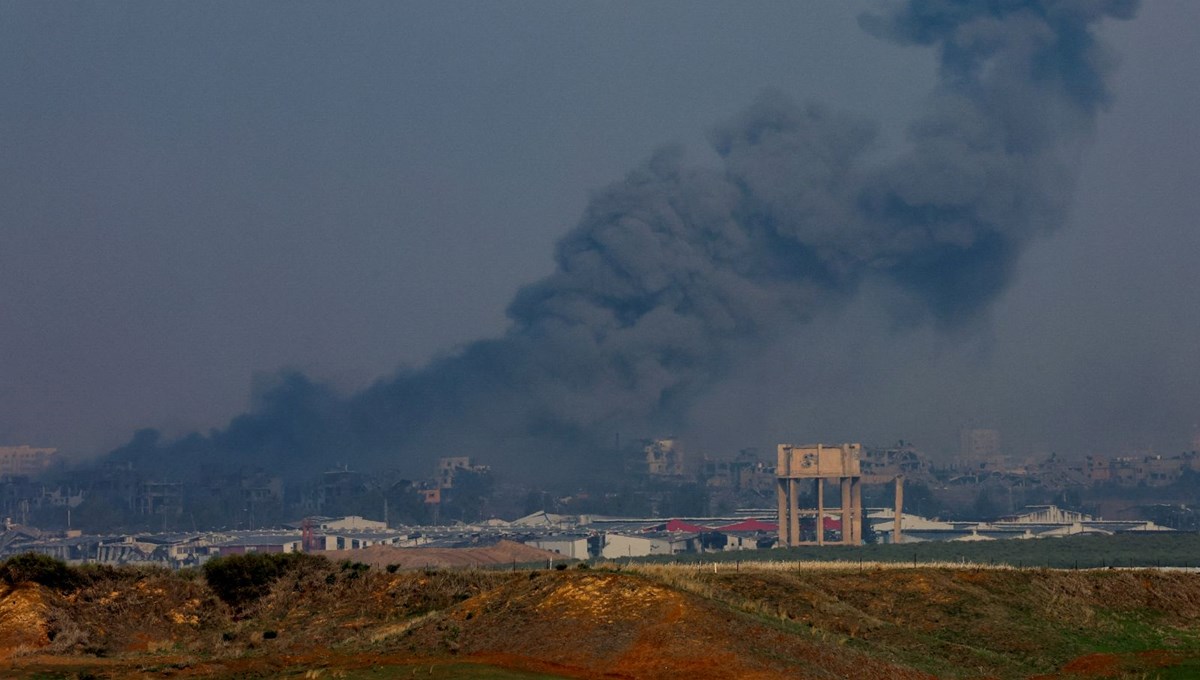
605, 624
24, 619
109, 612
504, 552
650, 622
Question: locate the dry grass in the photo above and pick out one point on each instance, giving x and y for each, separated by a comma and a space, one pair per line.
1000, 621
871, 619
726, 566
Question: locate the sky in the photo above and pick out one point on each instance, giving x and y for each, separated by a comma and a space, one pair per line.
194, 196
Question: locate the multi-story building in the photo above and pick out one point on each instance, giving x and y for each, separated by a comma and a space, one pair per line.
1160, 471
160, 498
745, 473
449, 468
1097, 470
25, 460
663, 458
1144, 470
901, 459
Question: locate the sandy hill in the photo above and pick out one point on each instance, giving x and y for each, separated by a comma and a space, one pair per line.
593, 624
761, 621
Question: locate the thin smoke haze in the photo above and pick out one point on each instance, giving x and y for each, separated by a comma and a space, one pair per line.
676, 271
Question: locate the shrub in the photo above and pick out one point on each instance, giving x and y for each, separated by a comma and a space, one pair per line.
40, 569
239, 580
356, 569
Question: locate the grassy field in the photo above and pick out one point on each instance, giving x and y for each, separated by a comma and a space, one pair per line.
1168, 549
955, 622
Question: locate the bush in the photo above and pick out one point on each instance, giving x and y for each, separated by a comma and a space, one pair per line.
239, 580
356, 569
40, 569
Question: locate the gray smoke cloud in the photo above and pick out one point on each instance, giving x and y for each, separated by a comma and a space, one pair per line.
676, 271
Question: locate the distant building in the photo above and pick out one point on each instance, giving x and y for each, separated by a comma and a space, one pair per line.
901, 459
337, 488
1037, 521
25, 460
260, 488
572, 546
160, 498
358, 540
658, 543
663, 458
448, 469
1145, 470
348, 523
261, 543
745, 473
1046, 514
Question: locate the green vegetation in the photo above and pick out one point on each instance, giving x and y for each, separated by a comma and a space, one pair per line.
40, 569
241, 579
1188, 669
953, 622
1168, 549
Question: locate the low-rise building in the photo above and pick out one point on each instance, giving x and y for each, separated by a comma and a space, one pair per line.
571, 546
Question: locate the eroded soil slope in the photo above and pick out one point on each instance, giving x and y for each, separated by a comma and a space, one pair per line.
345, 620
591, 623
980, 622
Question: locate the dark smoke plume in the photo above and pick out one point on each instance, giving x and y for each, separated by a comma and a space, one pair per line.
675, 271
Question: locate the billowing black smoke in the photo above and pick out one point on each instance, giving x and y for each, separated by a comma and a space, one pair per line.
676, 271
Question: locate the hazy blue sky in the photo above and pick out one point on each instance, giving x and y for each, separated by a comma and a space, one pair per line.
196, 194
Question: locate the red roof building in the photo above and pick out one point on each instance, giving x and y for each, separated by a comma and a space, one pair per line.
680, 525
751, 525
